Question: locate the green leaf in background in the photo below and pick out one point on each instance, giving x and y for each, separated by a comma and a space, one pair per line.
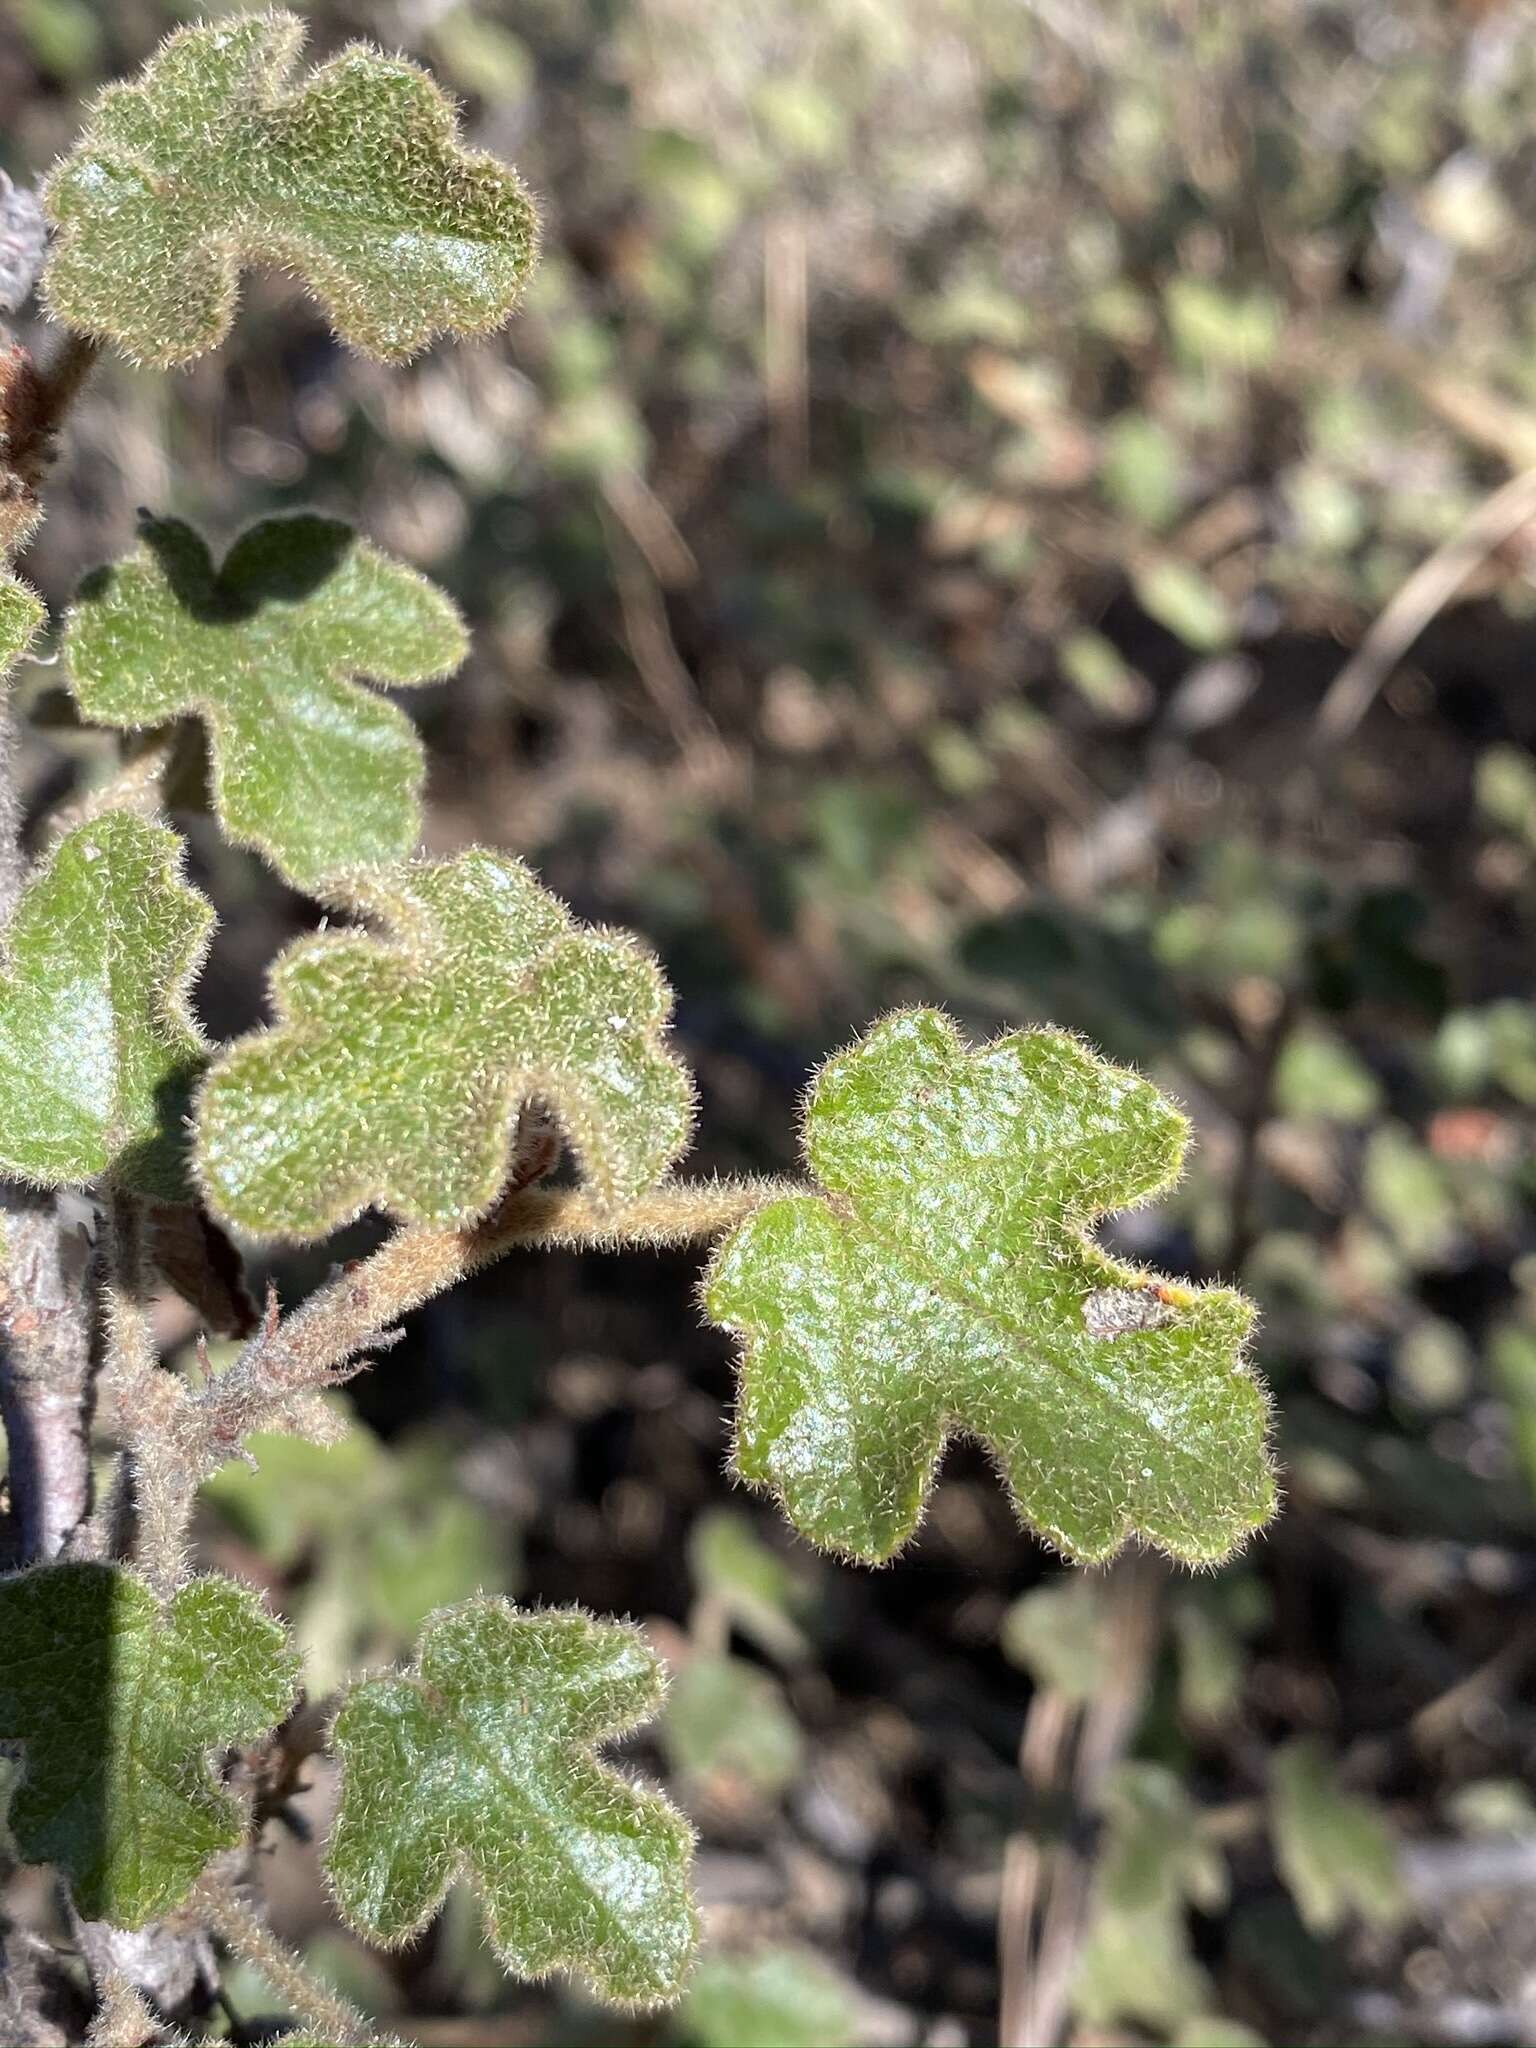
1211, 1621
1505, 788
1227, 330
1512, 1365
1063, 1635
20, 616
122, 1703
395, 1067
727, 1722
773, 1998
1142, 469
1335, 1849
752, 1587
1137, 1962
1406, 1187
1155, 1849
377, 1535
1185, 600
944, 1282
98, 1049
356, 179
480, 1758
1318, 1075
308, 767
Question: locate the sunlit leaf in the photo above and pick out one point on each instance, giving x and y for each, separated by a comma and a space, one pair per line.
123, 1705
98, 1049
396, 1065
356, 179
479, 1759
944, 1283
315, 771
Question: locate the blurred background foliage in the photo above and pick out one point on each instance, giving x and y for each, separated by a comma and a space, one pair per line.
949, 452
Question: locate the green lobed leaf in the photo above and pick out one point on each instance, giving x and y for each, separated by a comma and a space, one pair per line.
310, 768
395, 1067
1335, 1849
98, 1048
943, 1282
355, 179
480, 1759
122, 1703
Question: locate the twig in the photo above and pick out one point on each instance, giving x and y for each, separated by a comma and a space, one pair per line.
147, 1401
1048, 1890
1432, 585
785, 372
248, 1936
322, 1342
1252, 1117
648, 636
45, 1374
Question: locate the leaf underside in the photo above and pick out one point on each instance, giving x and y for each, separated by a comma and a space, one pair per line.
122, 1704
98, 1049
313, 770
355, 178
943, 1283
480, 1758
395, 1068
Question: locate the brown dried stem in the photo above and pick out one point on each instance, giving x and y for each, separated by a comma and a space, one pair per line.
1068, 1750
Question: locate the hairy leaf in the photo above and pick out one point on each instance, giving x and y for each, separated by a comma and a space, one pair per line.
98, 1049
944, 1282
20, 616
122, 1704
355, 179
480, 1758
308, 767
396, 1065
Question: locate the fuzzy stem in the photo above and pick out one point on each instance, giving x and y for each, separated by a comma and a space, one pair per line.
147, 1402
58, 385
312, 1347
133, 786
245, 1934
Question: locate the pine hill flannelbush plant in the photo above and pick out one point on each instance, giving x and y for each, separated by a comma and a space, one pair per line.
429, 1054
